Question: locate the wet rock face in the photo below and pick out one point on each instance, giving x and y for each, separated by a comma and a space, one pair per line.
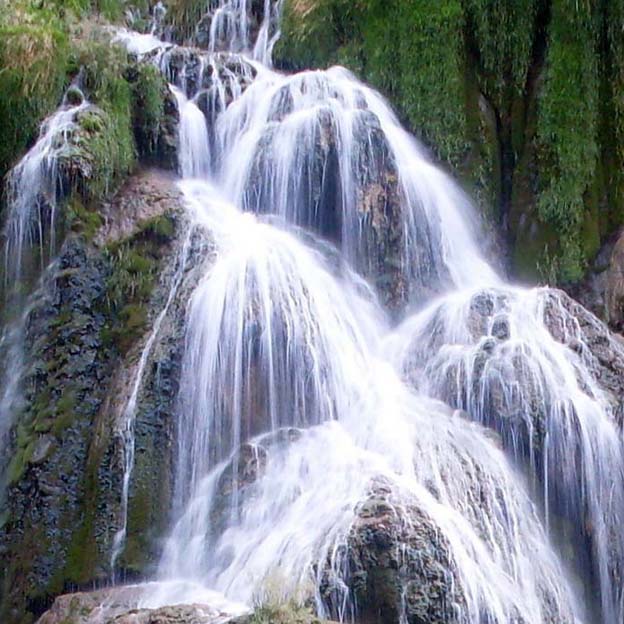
149, 194
356, 204
77, 162
380, 208
398, 566
65, 476
64, 389
213, 81
615, 287
197, 72
155, 117
603, 352
602, 291
242, 472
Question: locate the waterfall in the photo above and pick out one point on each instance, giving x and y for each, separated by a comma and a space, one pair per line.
496, 354
480, 419
12, 340
297, 397
286, 356
194, 154
320, 148
32, 192
232, 23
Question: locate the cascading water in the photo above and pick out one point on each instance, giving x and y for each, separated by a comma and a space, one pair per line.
323, 151
296, 398
32, 192
232, 24
492, 354
193, 138
276, 343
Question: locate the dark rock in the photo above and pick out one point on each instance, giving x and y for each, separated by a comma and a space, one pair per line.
602, 352
398, 566
500, 327
245, 467
65, 475
602, 290
74, 96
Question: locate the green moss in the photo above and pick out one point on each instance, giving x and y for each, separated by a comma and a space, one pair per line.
34, 54
184, 15
567, 128
149, 92
160, 229
82, 220
502, 33
111, 140
36, 63
81, 557
142, 519
375, 38
19, 463
134, 267
488, 85
278, 611
65, 408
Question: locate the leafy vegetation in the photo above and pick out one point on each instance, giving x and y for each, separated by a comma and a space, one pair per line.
567, 128
34, 53
149, 91
523, 99
111, 141
134, 268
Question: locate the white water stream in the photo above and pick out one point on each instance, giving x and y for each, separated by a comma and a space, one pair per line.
32, 191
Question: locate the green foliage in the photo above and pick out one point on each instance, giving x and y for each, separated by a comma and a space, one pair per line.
82, 220
35, 48
134, 268
613, 111
111, 142
524, 99
149, 108
34, 52
410, 49
432, 92
322, 32
184, 15
502, 33
273, 610
567, 128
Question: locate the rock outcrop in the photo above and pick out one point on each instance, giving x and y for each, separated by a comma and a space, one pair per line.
398, 566
602, 291
118, 606
84, 335
369, 225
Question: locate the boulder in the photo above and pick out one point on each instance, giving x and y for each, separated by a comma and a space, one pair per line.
118, 605
602, 291
398, 566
